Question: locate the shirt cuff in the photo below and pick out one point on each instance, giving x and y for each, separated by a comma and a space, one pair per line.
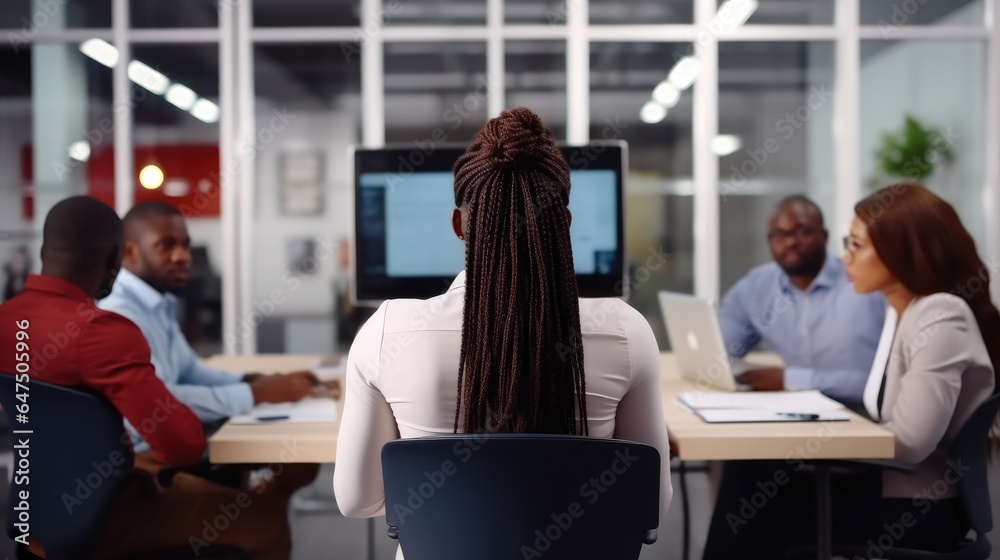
243, 398
797, 378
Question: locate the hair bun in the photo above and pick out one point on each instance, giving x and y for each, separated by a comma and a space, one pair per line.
511, 148
515, 137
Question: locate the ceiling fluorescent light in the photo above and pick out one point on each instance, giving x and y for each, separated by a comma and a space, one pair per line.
652, 112
181, 96
683, 74
666, 94
734, 13
725, 144
147, 77
205, 110
101, 51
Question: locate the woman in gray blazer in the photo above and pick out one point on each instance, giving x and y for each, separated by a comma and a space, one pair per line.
910, 245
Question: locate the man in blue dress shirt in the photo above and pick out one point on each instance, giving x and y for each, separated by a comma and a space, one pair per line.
156, 265
803, 307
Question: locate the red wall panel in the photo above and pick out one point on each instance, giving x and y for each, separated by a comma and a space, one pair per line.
191, 171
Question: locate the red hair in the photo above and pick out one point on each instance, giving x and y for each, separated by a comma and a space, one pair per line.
920, 239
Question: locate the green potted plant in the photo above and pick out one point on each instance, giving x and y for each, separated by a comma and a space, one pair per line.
912, 154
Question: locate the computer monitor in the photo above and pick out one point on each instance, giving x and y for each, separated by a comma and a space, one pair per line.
404, 245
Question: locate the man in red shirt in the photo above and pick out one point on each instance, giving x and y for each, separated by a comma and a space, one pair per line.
75, 343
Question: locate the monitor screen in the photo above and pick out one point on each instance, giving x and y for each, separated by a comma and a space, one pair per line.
404, 243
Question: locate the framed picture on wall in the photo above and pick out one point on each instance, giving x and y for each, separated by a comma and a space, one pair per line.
300, 179
301, 256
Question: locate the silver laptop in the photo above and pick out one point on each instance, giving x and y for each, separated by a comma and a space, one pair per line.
697, 343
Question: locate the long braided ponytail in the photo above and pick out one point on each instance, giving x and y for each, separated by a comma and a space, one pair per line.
521, 364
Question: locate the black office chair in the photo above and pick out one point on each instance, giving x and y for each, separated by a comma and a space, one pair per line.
969, 450
503, 496
79, 457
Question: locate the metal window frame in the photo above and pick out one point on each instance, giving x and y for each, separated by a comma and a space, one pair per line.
236, 37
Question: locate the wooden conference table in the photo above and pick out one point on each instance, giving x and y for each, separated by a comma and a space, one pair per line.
693, 439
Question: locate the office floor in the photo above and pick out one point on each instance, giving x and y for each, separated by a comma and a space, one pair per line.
320, 533
328, 535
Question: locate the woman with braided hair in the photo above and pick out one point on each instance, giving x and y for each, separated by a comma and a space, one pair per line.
510, 347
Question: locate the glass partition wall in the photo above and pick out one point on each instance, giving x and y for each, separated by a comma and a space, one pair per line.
242, 114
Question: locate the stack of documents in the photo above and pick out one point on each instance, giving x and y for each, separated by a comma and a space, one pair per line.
307, 410
780, 406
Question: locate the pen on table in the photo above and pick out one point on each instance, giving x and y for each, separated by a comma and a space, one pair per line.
271, 418
799, 416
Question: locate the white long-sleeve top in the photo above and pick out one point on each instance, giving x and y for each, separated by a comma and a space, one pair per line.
402, 382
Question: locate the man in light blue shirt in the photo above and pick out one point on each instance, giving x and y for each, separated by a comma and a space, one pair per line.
157, 262
804, 308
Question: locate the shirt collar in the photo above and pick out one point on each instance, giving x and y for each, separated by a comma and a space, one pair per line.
458, 282
140, 291
57, 286
829, 276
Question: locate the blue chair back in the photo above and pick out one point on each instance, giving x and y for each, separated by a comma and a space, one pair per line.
503, 496
77, 456
970, 451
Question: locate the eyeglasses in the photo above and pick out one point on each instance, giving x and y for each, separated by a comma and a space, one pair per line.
800, 233
851, 246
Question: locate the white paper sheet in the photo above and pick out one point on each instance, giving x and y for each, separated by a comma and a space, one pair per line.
308, 410
737, 415
811, 401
